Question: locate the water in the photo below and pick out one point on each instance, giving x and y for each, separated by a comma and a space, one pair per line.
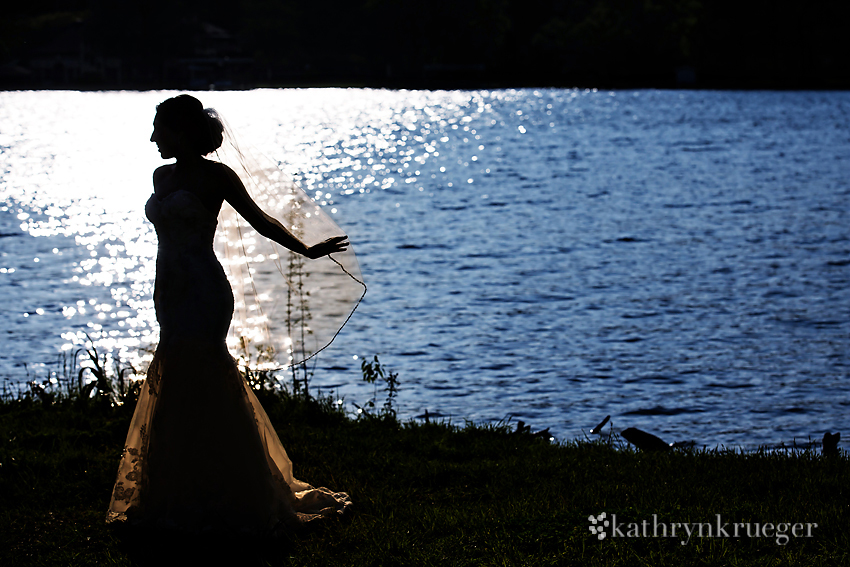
679, 260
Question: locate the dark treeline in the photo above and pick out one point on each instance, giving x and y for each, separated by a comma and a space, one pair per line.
423, 43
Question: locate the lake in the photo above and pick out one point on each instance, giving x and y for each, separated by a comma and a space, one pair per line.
679, 260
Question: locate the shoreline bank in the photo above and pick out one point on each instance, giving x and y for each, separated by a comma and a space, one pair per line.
433, 493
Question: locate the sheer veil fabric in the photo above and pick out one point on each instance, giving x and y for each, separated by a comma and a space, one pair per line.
201, 453
287, 308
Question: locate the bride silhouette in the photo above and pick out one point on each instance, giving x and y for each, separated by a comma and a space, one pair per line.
201, 453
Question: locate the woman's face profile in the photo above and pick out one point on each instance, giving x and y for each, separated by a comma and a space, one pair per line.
165, 139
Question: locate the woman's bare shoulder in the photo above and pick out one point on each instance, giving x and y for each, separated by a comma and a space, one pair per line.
162, 170
160, 173
221, 170
225, 178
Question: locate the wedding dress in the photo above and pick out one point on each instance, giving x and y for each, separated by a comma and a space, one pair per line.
201, 452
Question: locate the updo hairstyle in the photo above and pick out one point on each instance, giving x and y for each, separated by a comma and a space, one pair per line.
186, 115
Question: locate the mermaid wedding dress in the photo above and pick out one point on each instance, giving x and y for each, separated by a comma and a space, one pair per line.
201, 453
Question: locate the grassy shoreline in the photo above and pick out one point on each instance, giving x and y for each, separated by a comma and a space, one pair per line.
425, 494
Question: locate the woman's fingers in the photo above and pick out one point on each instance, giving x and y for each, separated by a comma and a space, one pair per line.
335, 244
329, 246
340, 242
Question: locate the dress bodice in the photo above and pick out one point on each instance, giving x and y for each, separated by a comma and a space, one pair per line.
181, 221
192, 296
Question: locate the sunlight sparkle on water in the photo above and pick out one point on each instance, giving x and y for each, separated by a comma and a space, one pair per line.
79, 169
689, 243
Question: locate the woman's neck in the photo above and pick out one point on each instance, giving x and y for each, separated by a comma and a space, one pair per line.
188, 160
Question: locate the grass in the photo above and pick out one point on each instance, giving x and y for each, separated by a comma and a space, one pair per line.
424, 494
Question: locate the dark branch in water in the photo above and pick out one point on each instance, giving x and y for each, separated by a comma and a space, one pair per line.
643, 440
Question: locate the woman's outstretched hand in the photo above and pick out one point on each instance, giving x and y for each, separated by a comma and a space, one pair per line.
329, 246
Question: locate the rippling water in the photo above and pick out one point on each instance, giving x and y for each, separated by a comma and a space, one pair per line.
679, 260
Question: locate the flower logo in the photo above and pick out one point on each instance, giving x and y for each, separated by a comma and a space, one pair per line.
598, 525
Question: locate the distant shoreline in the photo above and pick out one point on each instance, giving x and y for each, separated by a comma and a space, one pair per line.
731, 86
459, 44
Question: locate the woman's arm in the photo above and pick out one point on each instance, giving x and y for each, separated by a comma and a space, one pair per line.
234, 192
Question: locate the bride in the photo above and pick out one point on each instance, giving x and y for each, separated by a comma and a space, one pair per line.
201, 453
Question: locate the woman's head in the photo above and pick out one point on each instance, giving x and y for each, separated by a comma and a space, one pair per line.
197, 130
